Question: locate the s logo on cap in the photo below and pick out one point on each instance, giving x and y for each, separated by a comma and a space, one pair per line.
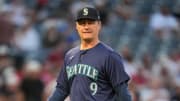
85, 11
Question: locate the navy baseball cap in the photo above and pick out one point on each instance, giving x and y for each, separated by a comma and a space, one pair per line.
88, 13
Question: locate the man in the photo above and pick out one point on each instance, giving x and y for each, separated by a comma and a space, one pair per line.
92, 71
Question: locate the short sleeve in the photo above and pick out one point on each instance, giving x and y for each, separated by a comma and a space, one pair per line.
115, 70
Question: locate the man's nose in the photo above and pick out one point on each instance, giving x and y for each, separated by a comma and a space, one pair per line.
86, 25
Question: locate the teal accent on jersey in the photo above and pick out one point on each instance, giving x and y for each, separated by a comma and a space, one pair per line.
82, 69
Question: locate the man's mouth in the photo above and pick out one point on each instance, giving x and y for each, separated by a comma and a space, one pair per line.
87, 32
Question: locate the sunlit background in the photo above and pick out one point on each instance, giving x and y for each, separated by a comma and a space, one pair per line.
35, 35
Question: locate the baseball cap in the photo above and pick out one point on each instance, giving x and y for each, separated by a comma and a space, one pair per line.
88, 13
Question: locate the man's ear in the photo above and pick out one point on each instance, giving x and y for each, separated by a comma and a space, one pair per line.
100, 24
76, 25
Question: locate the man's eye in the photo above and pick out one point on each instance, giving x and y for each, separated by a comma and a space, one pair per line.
91, 22
81, 22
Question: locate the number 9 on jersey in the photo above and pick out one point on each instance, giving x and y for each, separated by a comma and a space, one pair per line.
93, 88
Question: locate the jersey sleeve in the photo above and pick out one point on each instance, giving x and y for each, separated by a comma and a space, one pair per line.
62, 81
115, 70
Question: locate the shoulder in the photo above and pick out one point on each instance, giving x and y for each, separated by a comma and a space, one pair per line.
72, 52
105, 48
109, 52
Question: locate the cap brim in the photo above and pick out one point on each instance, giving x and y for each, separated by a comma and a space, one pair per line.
88, 18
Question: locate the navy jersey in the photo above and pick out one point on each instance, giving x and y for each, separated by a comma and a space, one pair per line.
92, 74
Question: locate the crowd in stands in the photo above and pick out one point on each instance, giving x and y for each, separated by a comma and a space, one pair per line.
36, 34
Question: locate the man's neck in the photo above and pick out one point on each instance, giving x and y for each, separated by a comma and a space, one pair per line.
87, 45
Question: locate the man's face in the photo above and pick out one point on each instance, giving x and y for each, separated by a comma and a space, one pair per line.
88, 29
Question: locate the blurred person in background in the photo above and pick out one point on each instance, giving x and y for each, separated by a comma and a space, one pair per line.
59, 24
146, 61
154, 91
163, 23
17, 12
52, 63
125, 9
133, 87
13, 90
171, 63
27, 38
26, 42
32, 86
144, 71
130, 66
7, 28
51, 38
175, 95
166, 68
55, 29
1, 4
2, 97
141, 78
9, 81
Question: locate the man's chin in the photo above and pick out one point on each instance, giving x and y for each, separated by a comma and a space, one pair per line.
88, 40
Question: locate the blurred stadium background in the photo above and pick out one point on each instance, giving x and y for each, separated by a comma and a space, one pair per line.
35, 34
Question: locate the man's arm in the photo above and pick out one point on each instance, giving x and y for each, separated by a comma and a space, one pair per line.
123, 93
57, 95
62, 88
